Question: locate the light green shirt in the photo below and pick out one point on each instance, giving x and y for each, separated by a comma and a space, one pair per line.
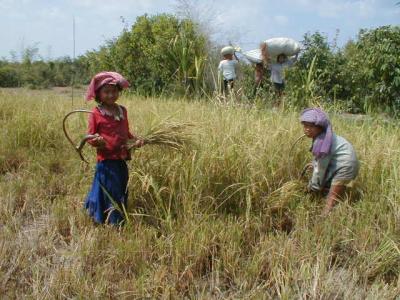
341, 163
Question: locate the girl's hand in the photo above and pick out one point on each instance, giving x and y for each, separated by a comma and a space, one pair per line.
139, 143
98, 142
134, 143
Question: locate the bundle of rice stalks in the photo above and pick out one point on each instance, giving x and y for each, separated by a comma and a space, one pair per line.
278, 213
173, 135
385, 259
288, 192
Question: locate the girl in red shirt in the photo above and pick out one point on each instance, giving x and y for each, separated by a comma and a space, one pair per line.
109, 121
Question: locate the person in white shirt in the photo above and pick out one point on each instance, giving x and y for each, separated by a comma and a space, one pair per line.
277, 70
227, 67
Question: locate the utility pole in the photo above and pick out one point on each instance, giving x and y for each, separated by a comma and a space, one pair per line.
73, 61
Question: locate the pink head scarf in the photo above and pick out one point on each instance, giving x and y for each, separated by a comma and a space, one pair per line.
103, 78
322, 143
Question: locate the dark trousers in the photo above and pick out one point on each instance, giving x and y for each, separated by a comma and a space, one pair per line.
228, 84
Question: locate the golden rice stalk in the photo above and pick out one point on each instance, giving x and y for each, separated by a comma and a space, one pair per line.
289, 191
173, 135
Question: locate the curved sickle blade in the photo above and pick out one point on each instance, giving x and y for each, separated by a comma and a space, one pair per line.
295, 142
305, 169
290, 162
78, 148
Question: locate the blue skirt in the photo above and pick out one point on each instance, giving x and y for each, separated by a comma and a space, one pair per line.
109, 185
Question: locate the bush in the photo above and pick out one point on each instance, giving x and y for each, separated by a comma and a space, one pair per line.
373, 69
163, 54
9, 76
159, 53
363, 76
317, 74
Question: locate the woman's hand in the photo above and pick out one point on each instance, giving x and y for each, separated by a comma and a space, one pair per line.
336, 193
326, 211
308, 167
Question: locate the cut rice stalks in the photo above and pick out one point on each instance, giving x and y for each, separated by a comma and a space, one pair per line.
173, 135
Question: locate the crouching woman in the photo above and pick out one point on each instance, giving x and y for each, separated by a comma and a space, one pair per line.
335, 164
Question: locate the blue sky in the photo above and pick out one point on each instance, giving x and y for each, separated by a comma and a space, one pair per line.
48, 24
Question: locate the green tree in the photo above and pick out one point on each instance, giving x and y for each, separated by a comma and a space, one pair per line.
317, 74
373, 69
158, 53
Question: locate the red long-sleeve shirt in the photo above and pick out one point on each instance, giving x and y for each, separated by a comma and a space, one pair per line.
114, 132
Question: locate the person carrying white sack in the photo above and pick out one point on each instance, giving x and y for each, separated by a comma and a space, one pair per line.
273, 54
277, 71
227, 67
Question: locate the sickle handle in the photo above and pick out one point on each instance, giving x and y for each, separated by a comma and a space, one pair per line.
85, 139
78, 148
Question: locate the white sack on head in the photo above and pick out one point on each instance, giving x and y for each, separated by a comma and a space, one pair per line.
276, 46
227, 50
287, 46
254, 56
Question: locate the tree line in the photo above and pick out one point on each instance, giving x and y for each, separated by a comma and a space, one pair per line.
164, 54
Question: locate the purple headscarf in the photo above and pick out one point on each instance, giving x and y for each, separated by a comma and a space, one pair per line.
322, 143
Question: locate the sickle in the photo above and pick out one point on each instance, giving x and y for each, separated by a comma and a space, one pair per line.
295, 142
289, 153
79, 147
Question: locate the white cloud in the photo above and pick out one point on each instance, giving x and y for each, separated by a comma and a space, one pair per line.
367, 9
121, 6
338, 8
243, 22
281, 20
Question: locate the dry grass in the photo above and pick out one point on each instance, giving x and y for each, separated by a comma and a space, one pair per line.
223, 219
